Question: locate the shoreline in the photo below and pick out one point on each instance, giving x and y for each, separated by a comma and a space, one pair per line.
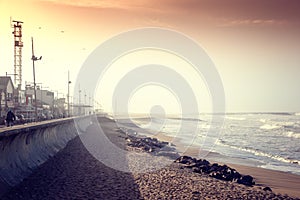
279, 181
280, 154
74, 173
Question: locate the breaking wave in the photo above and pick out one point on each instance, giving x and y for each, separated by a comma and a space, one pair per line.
260, 153
235, 118
290, 134
270, 126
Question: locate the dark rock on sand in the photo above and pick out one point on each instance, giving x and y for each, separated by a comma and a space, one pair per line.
267, 189
152, 145
221, 172
185, 160
192, 162
246, 180
224, 173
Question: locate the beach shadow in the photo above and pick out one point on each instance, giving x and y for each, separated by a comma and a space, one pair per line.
74, 173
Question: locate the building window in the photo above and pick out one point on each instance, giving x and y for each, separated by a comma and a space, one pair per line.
9, 96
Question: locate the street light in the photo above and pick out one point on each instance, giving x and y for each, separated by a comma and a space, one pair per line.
79, 101
69, 82
72, 99
34, 58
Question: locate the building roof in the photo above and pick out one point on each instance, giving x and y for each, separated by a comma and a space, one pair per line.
4, 80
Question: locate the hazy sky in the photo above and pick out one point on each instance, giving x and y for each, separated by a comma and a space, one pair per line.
254, 44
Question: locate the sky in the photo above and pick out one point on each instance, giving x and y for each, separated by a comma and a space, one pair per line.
254, 45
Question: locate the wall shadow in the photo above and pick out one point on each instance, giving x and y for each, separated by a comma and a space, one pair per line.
73, 173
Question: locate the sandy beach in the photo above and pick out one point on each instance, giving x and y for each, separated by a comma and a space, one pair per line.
74, 173
280, 182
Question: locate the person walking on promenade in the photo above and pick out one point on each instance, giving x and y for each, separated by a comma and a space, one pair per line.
10, 117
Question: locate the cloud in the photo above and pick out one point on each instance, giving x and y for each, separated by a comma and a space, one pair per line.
115, 4
89, 3
156, 22
225, 13
251, 22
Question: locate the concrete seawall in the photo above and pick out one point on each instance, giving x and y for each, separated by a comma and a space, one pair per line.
24, 147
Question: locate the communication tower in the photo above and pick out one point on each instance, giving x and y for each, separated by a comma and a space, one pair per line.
18, 44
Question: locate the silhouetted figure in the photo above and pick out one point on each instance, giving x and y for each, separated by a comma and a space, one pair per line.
10, 118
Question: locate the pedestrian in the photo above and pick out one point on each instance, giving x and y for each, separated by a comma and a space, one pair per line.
10, 117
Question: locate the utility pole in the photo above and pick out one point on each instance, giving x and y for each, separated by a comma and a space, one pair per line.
84, 102
79, 101
69, 82
90, 104
1, 102
34, 58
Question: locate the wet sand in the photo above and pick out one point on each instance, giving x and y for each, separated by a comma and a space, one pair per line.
74, 173
278, 181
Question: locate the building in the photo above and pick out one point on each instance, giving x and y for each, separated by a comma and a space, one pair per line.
60, 106
7, 91
44, 98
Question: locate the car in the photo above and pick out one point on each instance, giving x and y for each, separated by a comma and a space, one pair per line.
20, 119
42, 117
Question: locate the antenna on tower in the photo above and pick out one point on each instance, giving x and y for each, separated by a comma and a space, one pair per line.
18, 44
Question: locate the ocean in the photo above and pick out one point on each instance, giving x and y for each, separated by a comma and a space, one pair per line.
266, 140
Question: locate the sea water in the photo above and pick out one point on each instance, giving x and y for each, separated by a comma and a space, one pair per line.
270, 140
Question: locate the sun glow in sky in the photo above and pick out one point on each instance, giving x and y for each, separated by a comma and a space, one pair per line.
254, 44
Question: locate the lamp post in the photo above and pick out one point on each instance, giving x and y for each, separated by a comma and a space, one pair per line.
90, 104
69, 82
1, 90
79, 101
72, 99
34, 58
